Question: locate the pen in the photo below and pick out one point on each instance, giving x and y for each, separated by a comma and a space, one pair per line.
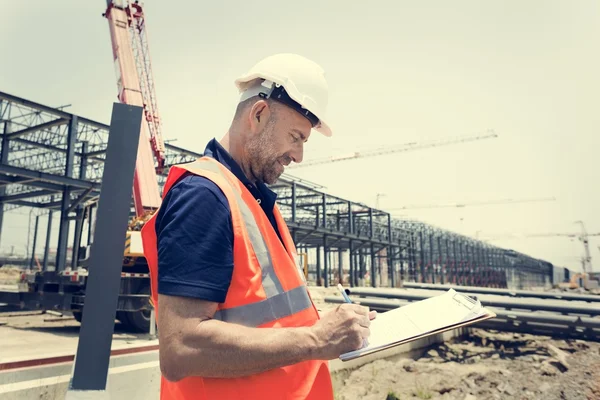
344, 294
347, 300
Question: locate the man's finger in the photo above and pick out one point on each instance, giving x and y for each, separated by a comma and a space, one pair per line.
365, 321
372, 314
361, 310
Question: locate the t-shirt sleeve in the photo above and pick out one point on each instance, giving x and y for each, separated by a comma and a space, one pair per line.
195, 241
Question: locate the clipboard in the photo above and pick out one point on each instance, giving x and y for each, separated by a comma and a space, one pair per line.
434, 315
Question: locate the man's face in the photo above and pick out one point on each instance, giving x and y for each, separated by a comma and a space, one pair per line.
278, 144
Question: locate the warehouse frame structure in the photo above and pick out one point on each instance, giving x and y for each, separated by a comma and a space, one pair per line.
52, 161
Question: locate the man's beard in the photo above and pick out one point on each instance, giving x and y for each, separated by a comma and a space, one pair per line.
264, 161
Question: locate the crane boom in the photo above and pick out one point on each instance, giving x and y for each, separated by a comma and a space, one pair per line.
475, 204
394, 149
136, 87
141, 52
534, 235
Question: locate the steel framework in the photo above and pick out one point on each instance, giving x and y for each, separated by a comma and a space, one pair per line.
439, 256
53, 160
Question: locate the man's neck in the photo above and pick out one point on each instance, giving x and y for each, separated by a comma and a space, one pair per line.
236, 152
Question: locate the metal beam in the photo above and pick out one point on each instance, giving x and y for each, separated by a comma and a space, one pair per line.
78, 200
49, 110
45, 177
54, 187
45, 125
26, 195
55, 148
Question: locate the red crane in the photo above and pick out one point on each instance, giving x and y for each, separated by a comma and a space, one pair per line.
136, 87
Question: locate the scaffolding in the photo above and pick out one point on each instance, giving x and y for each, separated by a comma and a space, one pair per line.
52, 160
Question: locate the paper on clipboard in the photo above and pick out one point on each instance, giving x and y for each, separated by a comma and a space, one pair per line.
420, 319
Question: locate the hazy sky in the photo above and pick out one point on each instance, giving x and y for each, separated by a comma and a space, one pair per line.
398, 72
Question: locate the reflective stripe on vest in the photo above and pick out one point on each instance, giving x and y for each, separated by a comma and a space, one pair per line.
278, 303
268, 310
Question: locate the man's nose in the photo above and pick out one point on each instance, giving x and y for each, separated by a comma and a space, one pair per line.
298, 153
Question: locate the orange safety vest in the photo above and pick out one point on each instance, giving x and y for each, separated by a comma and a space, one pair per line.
267, 290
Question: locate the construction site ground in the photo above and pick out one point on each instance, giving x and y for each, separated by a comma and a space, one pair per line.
482, 365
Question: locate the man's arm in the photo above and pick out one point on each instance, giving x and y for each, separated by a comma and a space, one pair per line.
193, 344
195, 251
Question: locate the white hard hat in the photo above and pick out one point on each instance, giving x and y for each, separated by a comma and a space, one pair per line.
293, 80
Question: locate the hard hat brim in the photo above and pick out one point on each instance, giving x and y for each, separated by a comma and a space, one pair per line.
324, 129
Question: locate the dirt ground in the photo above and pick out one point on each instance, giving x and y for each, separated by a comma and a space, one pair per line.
9, 275
486, 365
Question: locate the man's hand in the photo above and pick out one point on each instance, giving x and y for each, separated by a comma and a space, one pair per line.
342, 329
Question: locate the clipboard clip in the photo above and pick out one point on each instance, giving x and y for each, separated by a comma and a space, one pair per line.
471, 304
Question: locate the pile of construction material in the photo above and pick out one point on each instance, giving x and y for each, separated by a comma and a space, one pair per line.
484, 365
567, 315
9, 275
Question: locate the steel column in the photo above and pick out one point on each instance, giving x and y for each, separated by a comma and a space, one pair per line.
340, 268
373, 272
351, 262
4, 160
422, 256
80, 211
468, 265
431, 261
391, 266
370, 222
413, 273
324, 204
480, 259
350, 218
35, 235
362, 269
325, 261
93, 351
455, 264
318, 265
442, 261
91, 216
294, 202
390, 250
48, 234
63, 233
77, 237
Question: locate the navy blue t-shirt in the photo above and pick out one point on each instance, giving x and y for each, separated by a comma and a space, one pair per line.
195, 234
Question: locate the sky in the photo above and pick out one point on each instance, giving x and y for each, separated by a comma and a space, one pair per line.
398, 72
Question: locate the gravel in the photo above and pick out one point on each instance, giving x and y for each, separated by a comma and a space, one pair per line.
486, 365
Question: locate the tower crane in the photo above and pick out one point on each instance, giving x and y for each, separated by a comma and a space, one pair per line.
394, 149
475, 204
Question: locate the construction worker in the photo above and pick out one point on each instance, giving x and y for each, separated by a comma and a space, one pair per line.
235, 319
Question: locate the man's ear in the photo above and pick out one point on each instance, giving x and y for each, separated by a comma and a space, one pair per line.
258, 116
